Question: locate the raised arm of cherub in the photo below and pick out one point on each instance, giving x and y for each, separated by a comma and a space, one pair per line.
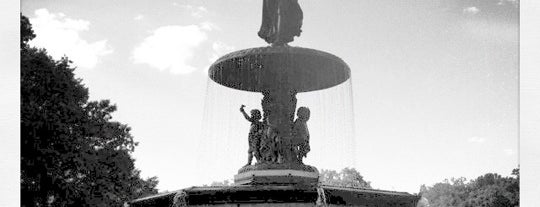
244, 113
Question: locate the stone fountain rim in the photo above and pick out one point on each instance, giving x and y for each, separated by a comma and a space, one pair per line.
250, 60
279, 50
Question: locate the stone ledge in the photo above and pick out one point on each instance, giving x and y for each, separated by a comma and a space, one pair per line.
278, 176
268, 195
275, 166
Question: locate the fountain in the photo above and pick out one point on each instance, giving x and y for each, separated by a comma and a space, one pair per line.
277, 140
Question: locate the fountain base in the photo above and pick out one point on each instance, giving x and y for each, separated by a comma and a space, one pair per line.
297, 174
278, 195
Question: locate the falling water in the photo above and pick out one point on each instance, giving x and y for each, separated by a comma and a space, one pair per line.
331, 127
224, 136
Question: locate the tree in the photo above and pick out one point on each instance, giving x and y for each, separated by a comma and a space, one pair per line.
494, 190
448, 193
222, 183
348, 177
490, 190
72, 153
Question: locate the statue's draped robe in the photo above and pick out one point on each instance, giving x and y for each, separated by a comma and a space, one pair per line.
281, 21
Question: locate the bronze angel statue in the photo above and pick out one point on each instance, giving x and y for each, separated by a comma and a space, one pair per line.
281, 21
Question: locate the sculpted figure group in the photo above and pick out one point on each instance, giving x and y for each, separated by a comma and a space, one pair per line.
275, 136
269, 146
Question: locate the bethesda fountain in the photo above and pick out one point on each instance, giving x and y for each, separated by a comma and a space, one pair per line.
277, 140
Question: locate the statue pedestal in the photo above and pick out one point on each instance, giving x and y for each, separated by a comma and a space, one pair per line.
277, 174
276, 177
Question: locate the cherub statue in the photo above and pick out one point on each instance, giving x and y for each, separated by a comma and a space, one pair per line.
255, 133
301, 134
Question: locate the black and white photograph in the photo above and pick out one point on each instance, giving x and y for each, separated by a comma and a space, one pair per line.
369, 103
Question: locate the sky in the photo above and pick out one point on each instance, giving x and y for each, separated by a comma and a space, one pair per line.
433, 92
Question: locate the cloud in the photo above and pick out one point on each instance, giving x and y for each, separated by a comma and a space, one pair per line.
139, 17
209, 26
171, 47
195, 11
60, 35
471, 10
218, 49
477, 139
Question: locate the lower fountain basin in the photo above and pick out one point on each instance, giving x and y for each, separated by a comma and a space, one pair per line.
278, 195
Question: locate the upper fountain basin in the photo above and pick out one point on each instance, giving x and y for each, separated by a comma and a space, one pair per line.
282, 67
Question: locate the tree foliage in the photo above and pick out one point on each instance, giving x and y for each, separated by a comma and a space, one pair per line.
490, 190
221, 183
347, 177
72, 153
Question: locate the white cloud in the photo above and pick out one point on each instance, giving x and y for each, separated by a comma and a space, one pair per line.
139, 17
61, 36
471, 10
195, 11
477, 139
218, 49
209, 26
171, 48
